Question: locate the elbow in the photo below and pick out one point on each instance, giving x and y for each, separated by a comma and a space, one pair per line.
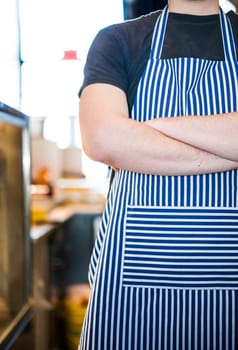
96, 149
91, 149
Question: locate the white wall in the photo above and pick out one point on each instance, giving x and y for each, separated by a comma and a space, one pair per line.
9, 54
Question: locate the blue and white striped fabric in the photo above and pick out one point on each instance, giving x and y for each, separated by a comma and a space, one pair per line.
164, 270
196, 248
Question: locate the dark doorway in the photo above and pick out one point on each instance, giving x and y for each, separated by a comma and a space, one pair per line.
136, 8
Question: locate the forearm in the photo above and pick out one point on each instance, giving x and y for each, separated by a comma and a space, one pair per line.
161, 155
125, 144
110, 137
215, 134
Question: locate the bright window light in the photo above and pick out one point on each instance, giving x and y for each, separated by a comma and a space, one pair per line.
48, 28
50, 84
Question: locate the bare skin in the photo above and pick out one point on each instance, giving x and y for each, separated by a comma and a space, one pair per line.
157, 147
215, 134
194, 7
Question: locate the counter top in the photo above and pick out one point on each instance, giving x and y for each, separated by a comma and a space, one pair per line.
39, 231
62, 213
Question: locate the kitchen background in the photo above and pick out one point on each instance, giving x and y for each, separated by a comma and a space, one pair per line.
51, 194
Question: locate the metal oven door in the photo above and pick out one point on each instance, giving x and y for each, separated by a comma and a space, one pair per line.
15, 258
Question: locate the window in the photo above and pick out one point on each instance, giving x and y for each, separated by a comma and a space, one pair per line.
49, 29
9, 54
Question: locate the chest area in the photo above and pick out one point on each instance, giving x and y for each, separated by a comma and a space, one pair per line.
186, 86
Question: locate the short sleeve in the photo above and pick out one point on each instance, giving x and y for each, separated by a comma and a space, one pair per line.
106, 61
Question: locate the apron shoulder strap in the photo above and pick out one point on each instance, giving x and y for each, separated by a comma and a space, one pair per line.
234, 23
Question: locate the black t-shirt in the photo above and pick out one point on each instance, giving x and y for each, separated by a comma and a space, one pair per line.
119, 53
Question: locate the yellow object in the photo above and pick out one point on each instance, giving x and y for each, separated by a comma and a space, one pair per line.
38, 215
40, 208
74, 313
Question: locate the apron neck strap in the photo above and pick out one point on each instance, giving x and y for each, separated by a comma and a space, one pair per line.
160, 28
159, 34
227, 38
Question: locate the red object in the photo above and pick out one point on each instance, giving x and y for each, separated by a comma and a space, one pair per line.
70, 55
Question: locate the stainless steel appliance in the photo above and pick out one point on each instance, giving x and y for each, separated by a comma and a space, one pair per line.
15, 252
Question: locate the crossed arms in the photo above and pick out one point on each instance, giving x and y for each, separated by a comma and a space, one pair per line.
170, 146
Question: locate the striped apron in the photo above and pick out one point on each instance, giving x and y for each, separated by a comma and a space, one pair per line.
164, 269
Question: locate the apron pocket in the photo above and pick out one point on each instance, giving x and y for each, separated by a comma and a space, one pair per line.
181, 248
